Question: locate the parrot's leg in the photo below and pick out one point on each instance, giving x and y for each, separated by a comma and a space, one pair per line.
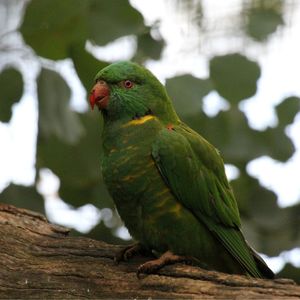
167, 258
130, 251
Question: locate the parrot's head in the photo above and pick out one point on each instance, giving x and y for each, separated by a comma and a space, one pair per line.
126, 90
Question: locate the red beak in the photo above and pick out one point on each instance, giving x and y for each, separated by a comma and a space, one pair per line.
99, 95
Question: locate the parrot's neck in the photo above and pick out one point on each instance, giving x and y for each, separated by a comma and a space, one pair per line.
138, 122
136, 130
161, 108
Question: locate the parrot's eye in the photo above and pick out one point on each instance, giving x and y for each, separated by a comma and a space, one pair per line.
128, 84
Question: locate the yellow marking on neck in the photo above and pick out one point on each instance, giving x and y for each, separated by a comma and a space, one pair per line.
139, 121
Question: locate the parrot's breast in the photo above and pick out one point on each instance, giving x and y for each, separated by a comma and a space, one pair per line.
130, 172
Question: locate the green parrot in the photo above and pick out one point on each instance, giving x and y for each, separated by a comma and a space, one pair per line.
168, 183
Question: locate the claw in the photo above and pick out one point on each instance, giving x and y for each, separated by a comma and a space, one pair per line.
168, 258
128, 252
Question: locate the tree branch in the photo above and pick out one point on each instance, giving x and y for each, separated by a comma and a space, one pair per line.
40, 260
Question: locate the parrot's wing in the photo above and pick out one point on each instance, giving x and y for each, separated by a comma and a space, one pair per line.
194, 171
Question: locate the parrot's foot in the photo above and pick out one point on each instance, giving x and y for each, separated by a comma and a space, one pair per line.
130, 251
167, 258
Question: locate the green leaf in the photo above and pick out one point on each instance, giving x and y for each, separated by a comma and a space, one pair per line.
187, 92
11, 84
89, 191
264, 18
234, 76
77, 165
86, 65
23, 196
287, 110
51, 26
257, 203
275, 143
55, 116
148, 47
108, 20
289, 271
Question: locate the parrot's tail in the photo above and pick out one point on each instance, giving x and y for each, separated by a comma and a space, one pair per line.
262, 266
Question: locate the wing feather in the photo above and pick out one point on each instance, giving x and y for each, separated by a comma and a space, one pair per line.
194, 171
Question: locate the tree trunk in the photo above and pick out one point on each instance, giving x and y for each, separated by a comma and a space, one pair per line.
39, 260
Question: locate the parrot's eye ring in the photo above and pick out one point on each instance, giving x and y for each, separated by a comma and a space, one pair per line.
128, 84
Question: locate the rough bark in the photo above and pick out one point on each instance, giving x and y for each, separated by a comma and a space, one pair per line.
39, 260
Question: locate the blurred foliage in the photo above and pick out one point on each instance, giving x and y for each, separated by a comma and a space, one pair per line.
11, 84
289, 271
51, 26
71, 21
287, 110
85, 64
234, 76
186, 92
23, 196
148, 47
263, 17
55, 116
69, 143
